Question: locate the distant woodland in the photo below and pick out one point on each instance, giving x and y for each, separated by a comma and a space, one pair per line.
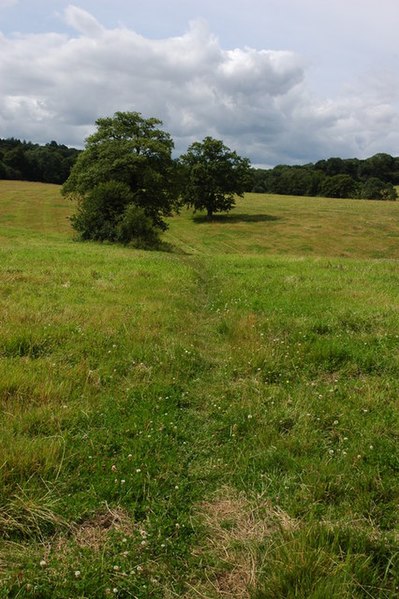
27, 161
372, 178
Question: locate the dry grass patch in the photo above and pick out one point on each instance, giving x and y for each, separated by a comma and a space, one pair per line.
92, 533
235, 527
56, 551
24, 517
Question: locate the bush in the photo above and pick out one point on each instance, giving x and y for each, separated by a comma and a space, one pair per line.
135, 226
339, 186
375, 189
108, 213
100, 211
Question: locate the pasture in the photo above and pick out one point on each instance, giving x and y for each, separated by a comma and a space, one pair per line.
217, 420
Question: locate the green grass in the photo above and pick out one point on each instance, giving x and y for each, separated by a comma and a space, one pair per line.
294, 226
220, 420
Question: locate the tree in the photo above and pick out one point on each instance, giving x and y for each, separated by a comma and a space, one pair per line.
214, 174
375, 189
339, 186
380, 166
47, 164
130, 150
17, 161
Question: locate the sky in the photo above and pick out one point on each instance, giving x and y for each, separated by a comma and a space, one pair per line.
279, 81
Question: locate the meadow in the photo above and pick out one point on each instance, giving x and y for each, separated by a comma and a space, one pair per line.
216, 420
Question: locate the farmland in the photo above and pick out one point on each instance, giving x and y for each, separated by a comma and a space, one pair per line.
215, 420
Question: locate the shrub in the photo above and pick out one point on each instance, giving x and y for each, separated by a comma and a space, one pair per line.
135, 226
108, 213
100, 211
375, 189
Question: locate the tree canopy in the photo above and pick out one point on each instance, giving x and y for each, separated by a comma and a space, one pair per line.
213, 176
130, 150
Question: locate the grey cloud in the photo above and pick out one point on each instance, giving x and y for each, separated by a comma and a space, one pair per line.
6, 3
55, 86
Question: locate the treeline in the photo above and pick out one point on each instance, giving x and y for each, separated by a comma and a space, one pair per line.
373, 178
27, 161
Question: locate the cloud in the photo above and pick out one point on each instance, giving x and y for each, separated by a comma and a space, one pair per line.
82, 21
6, 3
54, 86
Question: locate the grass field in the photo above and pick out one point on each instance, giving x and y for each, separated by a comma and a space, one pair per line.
219, 420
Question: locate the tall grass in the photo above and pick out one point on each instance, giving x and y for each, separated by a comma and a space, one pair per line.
216, 421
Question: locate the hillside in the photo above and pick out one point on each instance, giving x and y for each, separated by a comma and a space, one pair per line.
219, 420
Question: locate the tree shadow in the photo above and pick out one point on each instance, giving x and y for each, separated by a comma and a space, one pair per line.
234, 218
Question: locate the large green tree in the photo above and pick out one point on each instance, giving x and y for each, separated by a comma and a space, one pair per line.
131, 150
213, 176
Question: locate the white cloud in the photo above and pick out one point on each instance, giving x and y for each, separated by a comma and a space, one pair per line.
82, 21
55, 86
